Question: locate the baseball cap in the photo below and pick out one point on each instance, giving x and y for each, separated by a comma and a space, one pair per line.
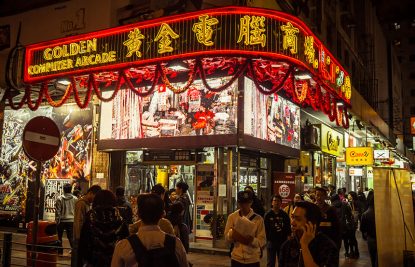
245, 196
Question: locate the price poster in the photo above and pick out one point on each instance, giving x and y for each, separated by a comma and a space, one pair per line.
284, 185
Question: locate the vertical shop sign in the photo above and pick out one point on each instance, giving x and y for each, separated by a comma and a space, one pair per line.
331, 141
53, 189
284, 185
413, 125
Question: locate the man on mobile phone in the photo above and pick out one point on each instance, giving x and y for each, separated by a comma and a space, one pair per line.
308, 247
246, 248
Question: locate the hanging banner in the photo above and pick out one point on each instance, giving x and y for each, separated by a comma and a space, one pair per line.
53, 189
359, 156
229, 30
284, 185
331, 141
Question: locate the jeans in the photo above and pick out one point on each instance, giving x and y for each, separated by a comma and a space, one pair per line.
273, 251
238, 264
68, 226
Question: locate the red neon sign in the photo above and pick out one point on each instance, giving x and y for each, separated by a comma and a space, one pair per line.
238, 31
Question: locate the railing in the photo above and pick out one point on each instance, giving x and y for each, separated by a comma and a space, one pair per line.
14, 253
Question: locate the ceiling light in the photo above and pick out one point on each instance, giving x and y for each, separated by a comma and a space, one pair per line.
302, 75
64, 81
178, 68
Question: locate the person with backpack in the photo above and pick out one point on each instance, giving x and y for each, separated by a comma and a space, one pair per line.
246, 248
151, 247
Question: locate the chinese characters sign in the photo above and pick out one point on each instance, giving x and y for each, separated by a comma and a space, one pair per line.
356, 156
244, 31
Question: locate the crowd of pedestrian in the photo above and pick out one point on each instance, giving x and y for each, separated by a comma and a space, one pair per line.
309, 231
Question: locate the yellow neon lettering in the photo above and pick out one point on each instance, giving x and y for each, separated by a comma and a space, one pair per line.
290, 39
164, 37
91, 45
47, 54
78, 62
252, 30
57, 52
82, 48
113, 56
309, 50
203, 29
134, 42
73, 49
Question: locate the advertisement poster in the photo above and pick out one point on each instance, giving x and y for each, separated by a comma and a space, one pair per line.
53, 189
284, 185
73, 158
204, 200
163, 113
271, 118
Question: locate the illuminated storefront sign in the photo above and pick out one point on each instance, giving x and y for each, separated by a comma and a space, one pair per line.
382, 155
357, 156
231, 30
271, 118
331, 141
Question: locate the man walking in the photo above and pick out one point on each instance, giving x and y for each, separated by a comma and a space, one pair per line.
82, 206
64, 214
277, 228
247, 245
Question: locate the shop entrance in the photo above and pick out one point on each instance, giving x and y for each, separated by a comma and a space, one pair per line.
144, 169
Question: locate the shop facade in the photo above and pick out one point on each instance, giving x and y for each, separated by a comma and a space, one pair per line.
322, 153
212, 98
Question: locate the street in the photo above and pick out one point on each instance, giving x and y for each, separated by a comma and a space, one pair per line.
200, 259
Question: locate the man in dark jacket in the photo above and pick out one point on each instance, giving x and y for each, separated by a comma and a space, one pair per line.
346, 224
329, 224
307, 246
277, 229
256, 203
64, 214
123, 206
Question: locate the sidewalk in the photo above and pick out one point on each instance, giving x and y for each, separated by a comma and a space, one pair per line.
207, 258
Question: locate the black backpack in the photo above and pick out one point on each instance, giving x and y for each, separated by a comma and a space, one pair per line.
158, 257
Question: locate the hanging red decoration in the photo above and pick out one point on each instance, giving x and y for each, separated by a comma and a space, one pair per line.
303, 87
238, 73
64, 98
345, 119
76, 94
191, 78
339, 116
277, 75
36, 105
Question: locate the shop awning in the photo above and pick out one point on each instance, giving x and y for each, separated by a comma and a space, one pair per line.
276, 50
